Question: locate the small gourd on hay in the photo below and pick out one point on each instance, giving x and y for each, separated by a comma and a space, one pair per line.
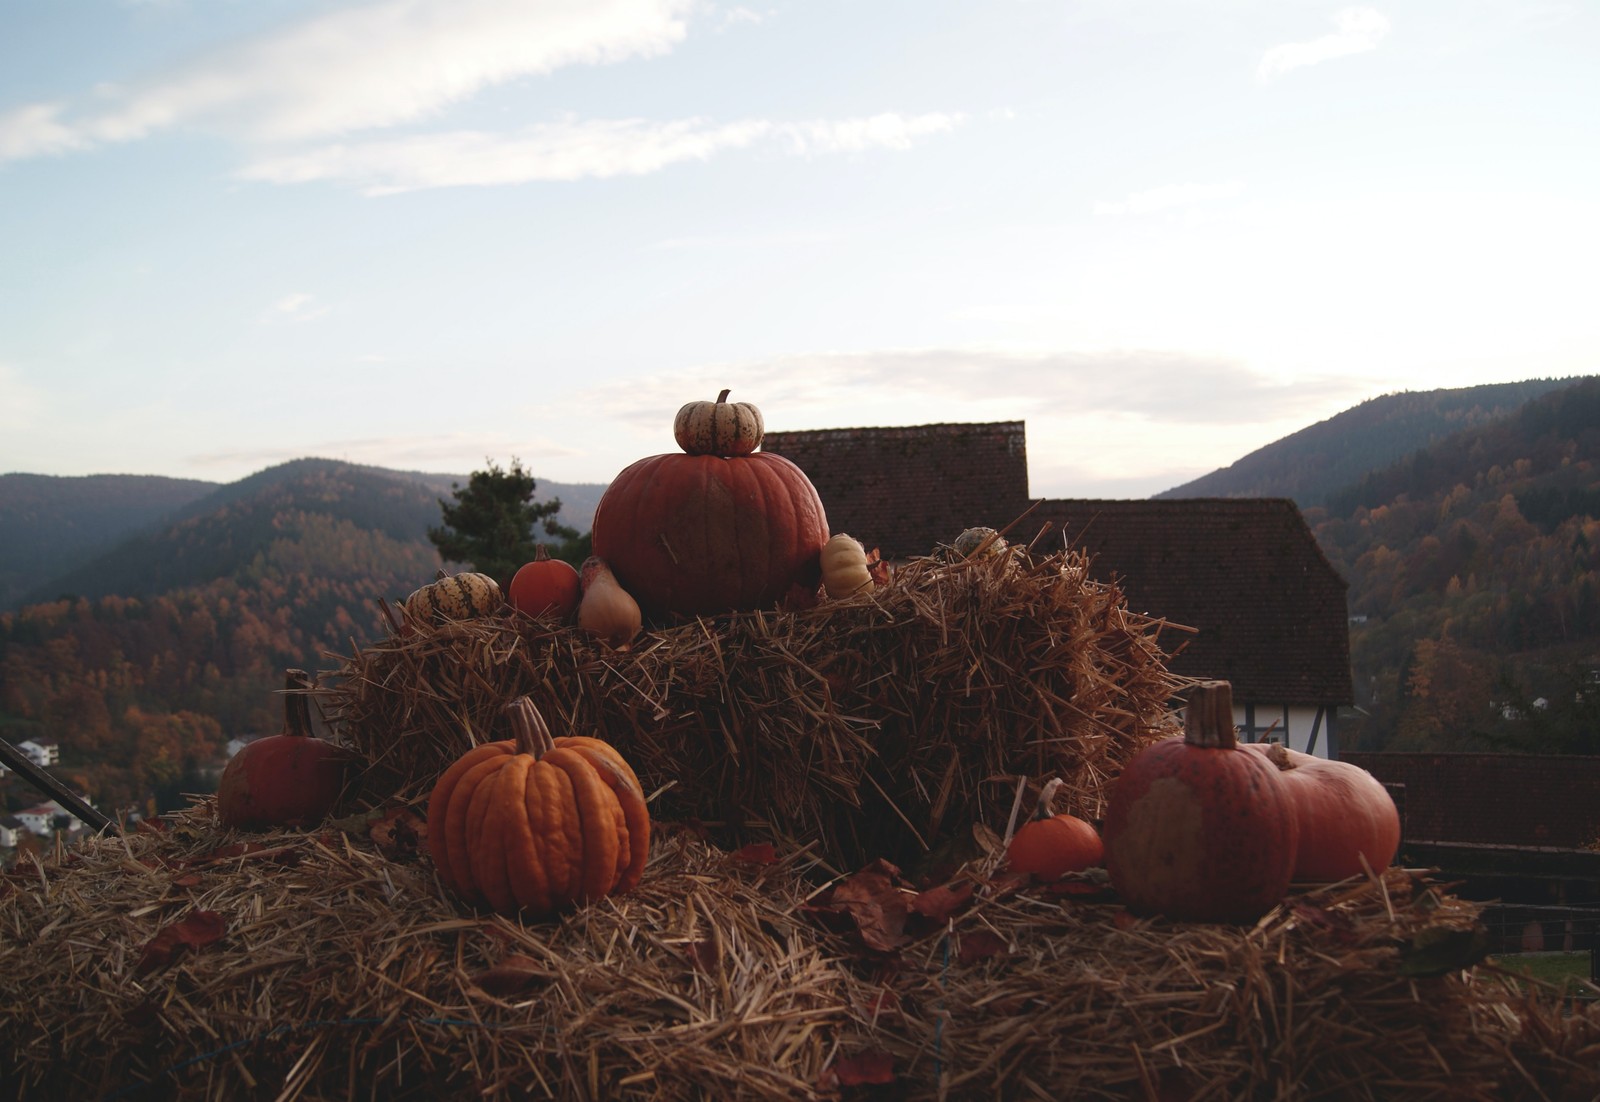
536, 824
716, 528
844, 565
1197, 827
607, 611
545, 587
1348, 820
288, 779
980, 539
463, 596
1050, 845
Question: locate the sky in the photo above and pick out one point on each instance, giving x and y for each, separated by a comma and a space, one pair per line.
434, 234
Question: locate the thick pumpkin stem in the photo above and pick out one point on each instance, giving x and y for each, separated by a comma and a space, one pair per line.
723, 397
296, 705
1047, 796
528, 728
1208, 719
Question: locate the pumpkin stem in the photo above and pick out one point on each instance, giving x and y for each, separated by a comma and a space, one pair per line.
541, 554
1278, 755
723, 397
296, 705
529, 730
1047, 795
1208, 719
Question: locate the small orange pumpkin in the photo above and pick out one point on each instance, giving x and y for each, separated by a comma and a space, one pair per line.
535, 824
545, 586
1050, 845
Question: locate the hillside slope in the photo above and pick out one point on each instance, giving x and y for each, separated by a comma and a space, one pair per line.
1474, 570
54, 524
1327, 457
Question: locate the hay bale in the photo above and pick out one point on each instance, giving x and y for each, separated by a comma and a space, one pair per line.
869, 725
334, 968
1361, 990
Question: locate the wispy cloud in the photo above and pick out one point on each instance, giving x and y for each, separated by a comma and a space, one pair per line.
1357, 30
573, 149
296, 307
1168, 196
1155, 386
375, 65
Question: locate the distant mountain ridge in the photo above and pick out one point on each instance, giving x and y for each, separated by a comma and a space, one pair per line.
1331, 455
52, 524
66, 534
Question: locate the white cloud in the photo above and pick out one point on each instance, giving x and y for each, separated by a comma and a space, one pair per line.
36, 130
1168, 387
888, 130
1358, 30
296, 307
377, 65
1171, 195
572, 149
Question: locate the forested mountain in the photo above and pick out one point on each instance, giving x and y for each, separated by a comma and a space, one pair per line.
1329, 456
106, 533
1474, 570
175, 641
52, 524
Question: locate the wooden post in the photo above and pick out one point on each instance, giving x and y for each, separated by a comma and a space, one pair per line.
44, 782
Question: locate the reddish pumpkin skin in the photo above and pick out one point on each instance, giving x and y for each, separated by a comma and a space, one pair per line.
545, 585
703, 534
1345, 814
1052, 847
281, 780
1200, 833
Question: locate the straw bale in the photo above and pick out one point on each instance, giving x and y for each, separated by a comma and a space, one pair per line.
869, 725
342, 972
1361, 990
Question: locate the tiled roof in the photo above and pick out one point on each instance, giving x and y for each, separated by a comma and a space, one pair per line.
1246, 572
905, 490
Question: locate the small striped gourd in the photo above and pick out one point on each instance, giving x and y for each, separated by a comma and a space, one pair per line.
454, 597
718, 428
535, 824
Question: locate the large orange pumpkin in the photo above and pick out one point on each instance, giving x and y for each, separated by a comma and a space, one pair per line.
1346, 815
535, 824
1199, 828
703, 534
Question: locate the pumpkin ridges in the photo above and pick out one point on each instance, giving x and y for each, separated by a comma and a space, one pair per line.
530, 878
489, 855
635, 812
597, 827
561, 834
458, 862
444, 788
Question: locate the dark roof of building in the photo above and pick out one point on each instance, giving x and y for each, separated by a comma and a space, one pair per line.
906, 490
1247, 573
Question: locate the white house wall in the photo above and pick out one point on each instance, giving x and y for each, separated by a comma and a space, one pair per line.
1307, 728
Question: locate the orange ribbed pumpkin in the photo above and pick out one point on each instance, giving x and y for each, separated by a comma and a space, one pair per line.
1048, 846
703, 534
535, 824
